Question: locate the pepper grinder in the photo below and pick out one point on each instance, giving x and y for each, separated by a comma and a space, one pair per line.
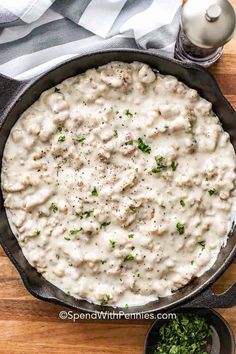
206, 25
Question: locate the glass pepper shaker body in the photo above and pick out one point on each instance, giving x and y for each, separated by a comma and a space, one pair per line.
206, 25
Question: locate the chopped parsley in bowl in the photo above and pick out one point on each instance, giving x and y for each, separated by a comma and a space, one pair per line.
189, 330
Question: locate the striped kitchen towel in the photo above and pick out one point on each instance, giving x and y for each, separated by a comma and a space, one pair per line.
35, 35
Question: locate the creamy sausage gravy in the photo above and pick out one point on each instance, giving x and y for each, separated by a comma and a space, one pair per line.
118, 184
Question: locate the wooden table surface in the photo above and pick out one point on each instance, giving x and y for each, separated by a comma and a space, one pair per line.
30, 326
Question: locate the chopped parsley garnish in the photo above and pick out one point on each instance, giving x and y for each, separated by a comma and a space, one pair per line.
86, 214
160, 166
126, 306
80, 139
162, 206
53, 207
113, 243
115, 133
56, 89
59, 129
212, 191
128, 113
68, 293
202, 244
132, 208
143, 147
94, 192
180, 228
129, 142
61, 138
67, 238
36, 233
182, 203
174, 165
105, 224
186, 334
131, 236
75, 231
159, 159
70, 264
103, 262
129, 257
105, 300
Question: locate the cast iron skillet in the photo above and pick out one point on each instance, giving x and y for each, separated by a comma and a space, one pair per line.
16, 97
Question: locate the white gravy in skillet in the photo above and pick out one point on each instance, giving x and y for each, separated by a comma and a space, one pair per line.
119, 184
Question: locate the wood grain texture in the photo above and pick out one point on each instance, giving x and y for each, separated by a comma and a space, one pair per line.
30, 326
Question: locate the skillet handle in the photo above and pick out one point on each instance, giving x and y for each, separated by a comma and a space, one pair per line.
9, 89
209, 299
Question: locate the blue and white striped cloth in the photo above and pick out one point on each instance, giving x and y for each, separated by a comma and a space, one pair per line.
35, 35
